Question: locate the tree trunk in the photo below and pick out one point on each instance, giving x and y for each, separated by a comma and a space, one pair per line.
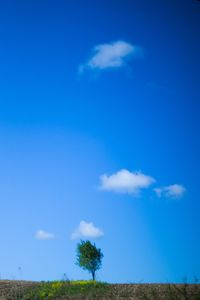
93, 275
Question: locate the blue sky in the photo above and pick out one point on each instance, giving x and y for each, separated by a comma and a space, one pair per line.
99, 138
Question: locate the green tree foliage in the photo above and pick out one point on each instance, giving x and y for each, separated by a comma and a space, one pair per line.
89, 257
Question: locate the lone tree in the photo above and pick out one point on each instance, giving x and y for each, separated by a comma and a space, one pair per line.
89, 257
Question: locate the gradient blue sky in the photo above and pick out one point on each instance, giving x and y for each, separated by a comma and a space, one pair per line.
62, 129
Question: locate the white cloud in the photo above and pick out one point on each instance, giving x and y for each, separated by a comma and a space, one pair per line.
87, 230
171, 191
125, 181
112, 55
158, 191
44, 235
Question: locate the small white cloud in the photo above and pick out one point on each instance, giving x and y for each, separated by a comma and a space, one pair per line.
125, 181
171, 191
87, 230
44, 235
158, 191
112, 55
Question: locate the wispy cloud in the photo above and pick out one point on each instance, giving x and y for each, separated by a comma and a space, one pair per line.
112, 55
87, 230
44, 235
171, 191
125, 181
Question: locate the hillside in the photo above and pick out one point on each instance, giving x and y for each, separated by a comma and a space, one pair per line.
18, 290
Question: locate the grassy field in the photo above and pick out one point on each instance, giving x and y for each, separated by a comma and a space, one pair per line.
63, 290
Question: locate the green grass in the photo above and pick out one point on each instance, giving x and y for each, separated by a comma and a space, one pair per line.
79, 290
53, 289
